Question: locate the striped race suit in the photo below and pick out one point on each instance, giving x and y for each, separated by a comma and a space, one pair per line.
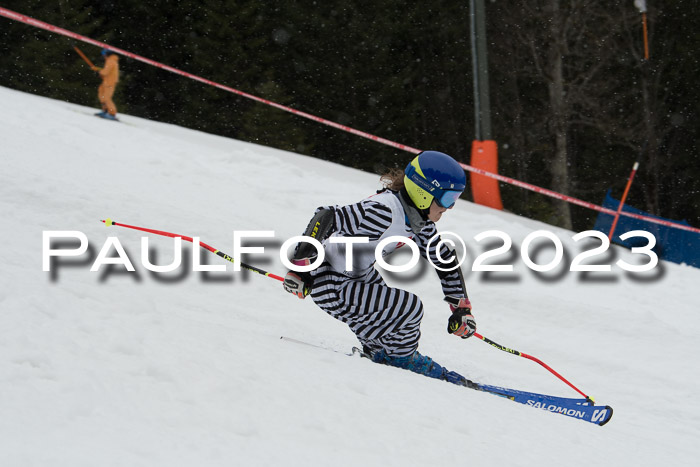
381, 317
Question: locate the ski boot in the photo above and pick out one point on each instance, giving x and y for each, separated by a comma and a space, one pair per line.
420, 364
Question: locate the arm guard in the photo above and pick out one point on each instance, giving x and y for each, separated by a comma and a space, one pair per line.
321, 226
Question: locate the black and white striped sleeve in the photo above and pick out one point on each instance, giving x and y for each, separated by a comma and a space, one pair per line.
452, 281
364, 219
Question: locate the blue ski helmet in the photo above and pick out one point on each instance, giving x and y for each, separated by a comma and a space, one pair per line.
434, 175
106, 52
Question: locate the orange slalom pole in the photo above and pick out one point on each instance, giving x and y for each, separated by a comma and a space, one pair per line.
622, 201
646, 40
87, 60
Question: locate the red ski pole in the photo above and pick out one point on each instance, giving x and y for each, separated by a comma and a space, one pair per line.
534, 359
109, 222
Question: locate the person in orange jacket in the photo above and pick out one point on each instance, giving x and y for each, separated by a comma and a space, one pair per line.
110, 76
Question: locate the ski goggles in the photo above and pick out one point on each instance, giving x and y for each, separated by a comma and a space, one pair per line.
444, 198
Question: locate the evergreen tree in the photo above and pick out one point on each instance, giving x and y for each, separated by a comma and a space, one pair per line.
402, 71
43, 63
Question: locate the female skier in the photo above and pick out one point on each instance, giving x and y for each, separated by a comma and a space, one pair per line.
387, 320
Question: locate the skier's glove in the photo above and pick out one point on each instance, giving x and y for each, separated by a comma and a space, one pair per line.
297, 283
461, 323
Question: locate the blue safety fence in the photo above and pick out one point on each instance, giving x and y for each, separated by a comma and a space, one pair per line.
675, 245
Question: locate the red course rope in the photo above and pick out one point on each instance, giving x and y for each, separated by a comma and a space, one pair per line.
55, 29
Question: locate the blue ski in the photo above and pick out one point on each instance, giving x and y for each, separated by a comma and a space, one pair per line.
581, 409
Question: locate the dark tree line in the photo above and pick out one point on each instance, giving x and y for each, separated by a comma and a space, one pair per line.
574, 104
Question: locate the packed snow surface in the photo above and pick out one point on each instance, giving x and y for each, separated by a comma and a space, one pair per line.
116, 368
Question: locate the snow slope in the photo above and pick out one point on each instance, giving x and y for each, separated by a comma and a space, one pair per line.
112, 368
